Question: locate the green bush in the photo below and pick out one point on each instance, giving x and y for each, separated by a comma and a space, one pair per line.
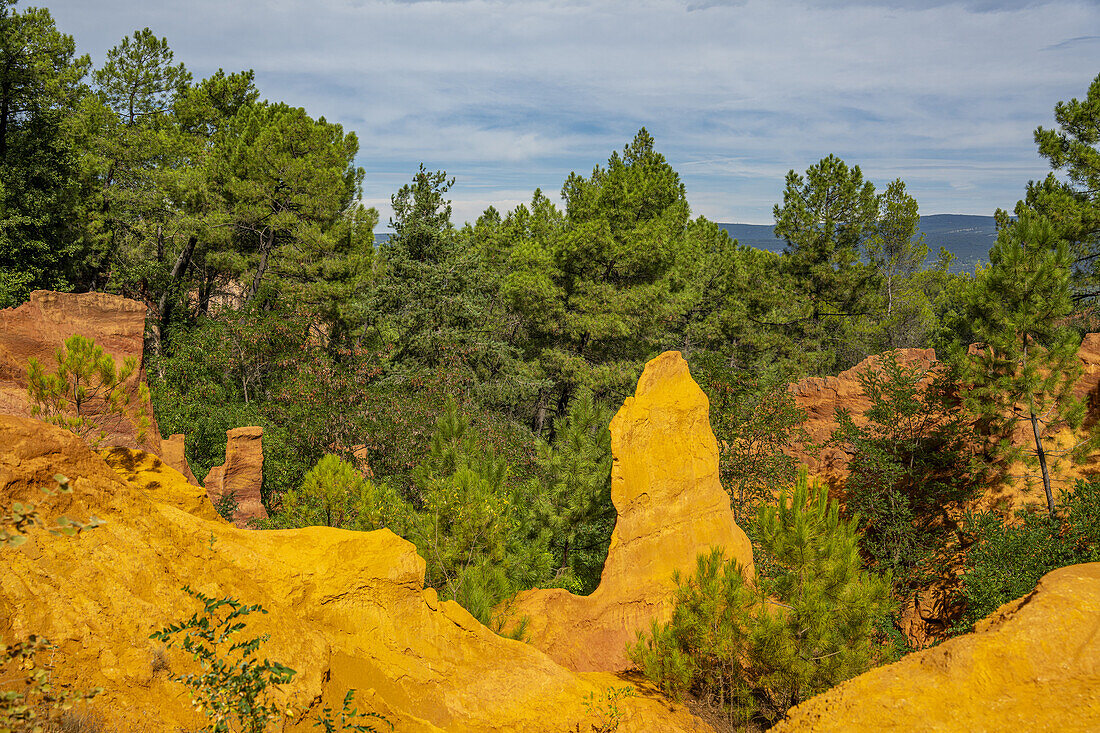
756, 651
472, 523
1006, 559
335, 494
913, 457
233, 690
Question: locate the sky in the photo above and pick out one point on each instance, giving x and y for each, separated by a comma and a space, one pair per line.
512, 95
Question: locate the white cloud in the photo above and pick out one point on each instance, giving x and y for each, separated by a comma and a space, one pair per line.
508, 96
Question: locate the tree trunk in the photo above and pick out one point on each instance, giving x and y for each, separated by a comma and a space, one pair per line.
1042, 462
268, 244
164, 303
5, 113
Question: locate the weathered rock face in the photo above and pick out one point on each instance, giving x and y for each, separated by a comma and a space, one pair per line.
345, 609
39, 328
173, 450
242, 474
671, 507
1033, 665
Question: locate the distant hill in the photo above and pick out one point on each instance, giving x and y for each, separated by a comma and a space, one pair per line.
967, 237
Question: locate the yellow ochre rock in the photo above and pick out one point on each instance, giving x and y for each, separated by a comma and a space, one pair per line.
345, 609
671, 507
1034, 665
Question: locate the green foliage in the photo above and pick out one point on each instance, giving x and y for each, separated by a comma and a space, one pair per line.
85, 394
606, 708
336, 494
1025, 363
913, 459
17, 521
36, 704
904, 312
1071, 201
754, 418
470, 525
42, 243
227, 505
1006, 559
350, 718
138, 78
573, 494
233, 690
749, 651
826, 218
594, 288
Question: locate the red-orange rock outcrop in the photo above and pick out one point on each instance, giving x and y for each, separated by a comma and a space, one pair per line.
925, 618
671, 507
38, 329
821, 397
345, 609
242, 474
1034, 665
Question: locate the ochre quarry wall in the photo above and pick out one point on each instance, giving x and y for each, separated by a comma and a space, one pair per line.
242, 474
1034, 665
39, 327
671, 507
345, 609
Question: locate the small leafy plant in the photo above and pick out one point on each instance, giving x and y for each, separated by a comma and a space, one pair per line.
606, 708
17, 521
349, 718
233, 687
36, 702
227, 505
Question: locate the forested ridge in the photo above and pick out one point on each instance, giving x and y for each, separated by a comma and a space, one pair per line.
477, 365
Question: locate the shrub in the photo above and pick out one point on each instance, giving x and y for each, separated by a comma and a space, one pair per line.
1006, 560
17, 521
335, 494
914, 457
36, 702
233, 690
227, 505
759, 650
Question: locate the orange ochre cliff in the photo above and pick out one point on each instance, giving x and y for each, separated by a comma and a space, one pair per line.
345, 609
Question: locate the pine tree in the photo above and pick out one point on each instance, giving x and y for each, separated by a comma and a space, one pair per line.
574, 495
1071, 200
826, 218
798, 632
1025, 363
85, 395
470, 526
